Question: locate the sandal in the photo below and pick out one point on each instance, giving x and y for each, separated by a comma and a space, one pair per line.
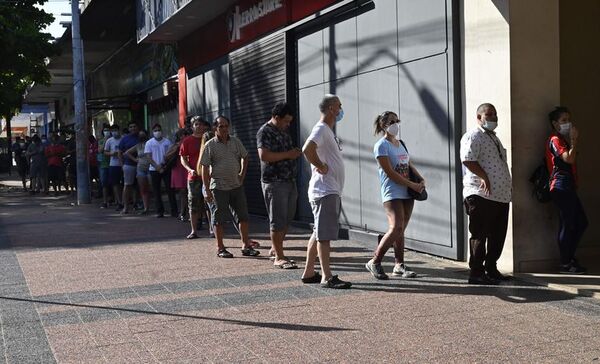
223, 253
192, 236
288, 264
250, 252
272, 258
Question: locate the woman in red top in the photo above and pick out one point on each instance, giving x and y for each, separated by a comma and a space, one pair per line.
561, 154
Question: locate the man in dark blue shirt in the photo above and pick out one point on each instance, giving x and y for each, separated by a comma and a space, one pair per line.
129, 166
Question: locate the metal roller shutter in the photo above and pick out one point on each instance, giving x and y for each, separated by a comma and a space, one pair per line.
258, 81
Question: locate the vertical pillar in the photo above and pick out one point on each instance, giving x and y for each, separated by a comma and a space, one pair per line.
81, 132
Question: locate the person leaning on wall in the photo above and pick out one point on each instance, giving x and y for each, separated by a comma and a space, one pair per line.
561, 158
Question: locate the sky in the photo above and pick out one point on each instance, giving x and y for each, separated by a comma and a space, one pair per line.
56, 7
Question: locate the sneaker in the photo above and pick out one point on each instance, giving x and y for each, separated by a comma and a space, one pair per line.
335, 283
376, 270
401, 270
104, 206
572, 268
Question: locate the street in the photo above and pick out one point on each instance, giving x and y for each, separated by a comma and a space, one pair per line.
84, 285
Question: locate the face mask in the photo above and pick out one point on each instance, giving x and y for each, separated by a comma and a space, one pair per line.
490, 125
339, 116
157, 134
565, 129
394, 129
106, 134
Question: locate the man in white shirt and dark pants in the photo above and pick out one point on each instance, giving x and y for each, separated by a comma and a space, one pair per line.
323, 151
487, 189
157, 147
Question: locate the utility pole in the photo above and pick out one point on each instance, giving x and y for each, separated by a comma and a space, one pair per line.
81, 127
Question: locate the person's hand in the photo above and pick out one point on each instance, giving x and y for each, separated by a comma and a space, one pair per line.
192, 172
294, 153
209, 196
417, 187
323, 169
574, 134
486, 186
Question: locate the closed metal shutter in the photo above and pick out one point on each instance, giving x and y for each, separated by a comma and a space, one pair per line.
258, 82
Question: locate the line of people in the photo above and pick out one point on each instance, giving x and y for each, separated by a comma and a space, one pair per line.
208, 166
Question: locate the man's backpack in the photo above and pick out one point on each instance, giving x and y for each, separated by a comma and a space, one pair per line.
541, 183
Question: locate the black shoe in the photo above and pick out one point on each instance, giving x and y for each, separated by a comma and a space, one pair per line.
119, 207
496, 275
483, 280
250, 252
160, 215
335, 283
314, 279
572, 269
223, 253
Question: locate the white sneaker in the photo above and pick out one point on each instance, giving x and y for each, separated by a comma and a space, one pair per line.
401, 270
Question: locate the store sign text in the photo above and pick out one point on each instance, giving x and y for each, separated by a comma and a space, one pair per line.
237, 20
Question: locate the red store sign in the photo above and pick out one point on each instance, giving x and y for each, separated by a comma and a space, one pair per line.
245, 22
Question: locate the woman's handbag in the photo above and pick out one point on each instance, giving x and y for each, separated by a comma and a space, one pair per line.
412, 193
413, 177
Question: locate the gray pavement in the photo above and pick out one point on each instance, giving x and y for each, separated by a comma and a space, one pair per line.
81, 284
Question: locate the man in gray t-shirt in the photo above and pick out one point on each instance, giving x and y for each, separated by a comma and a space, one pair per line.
224, 163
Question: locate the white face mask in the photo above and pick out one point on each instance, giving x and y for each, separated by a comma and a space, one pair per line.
565, 129
157, 134
490, 125
106, 134
394, 130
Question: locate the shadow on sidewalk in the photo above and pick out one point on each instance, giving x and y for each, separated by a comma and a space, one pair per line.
270, 325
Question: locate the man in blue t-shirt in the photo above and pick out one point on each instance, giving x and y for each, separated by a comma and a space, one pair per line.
129, 166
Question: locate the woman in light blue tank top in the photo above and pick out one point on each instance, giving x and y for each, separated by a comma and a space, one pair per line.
393, 166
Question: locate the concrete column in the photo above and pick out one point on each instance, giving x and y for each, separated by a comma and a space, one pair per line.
486, 76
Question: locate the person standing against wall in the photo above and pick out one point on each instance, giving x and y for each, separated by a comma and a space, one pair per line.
561, 160
487, 190
323, 150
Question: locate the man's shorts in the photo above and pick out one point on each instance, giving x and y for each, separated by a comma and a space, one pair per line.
326, 212
195, 198
142, 172
231, 200
56, 173
104, 177
115, 175
280, 200
129, 173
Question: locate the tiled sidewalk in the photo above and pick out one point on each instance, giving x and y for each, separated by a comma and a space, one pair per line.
80, 284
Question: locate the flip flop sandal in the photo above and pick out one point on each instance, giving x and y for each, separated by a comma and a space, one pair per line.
192, 236
250, 252
287, 265
224, 254
272, 258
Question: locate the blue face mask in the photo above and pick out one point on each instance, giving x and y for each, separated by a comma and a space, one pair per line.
339, 116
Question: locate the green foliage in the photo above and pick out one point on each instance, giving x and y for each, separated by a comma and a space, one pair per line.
24, 50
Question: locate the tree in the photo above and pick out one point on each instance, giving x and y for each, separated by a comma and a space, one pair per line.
24, 51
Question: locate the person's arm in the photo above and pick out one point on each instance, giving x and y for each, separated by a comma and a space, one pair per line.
107, 148
385, 164
206, 181
310, 152
129, 153
244, 163
475, 168
267, 156
570, 155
